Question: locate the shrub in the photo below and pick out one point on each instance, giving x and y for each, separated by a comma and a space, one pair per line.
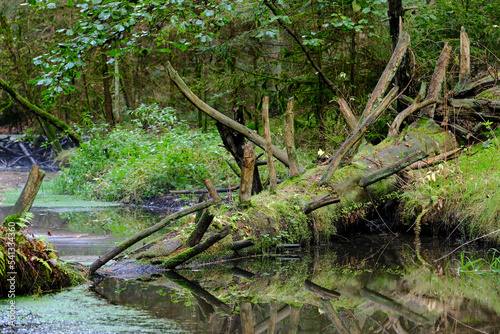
152, 154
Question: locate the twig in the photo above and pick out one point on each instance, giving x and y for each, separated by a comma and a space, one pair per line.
468, 242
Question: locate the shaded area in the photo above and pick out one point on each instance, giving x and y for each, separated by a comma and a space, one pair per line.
370, 285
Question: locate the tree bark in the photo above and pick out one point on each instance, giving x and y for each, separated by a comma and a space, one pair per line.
28, 195
437, 80
464, 57
388, 74
267, 135
290, 139
247, 170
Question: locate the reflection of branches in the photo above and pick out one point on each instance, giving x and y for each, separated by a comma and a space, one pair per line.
334, 317
387, 304
266, 323
197, 290
461, 323
321, 292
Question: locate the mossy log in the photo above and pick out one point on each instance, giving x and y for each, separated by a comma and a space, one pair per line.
285, 216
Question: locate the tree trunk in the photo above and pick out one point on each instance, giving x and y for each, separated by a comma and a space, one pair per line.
267, 136
28, 195
108, 102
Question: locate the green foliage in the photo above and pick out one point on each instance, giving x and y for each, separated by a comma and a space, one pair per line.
463, 192
144, 159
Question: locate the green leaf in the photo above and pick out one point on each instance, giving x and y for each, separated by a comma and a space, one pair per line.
366, 10
165, 50
96, 2
355, 6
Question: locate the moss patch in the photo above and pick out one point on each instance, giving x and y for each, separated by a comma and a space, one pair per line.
463, 192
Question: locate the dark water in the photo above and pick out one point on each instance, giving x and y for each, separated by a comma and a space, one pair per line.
83, 234
370, 284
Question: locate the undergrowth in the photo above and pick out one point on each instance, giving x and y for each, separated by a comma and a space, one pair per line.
461, 195
152, 154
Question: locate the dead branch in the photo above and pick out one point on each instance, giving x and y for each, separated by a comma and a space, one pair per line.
320, 202
356, 136
435, 160
437, 80
251, 135
189, 253
391, 169
388, 74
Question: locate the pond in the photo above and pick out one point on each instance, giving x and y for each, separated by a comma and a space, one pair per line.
368, 284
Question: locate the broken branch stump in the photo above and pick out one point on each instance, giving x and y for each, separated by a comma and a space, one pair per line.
267, 137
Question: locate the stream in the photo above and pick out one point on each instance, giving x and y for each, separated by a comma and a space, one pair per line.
368, 284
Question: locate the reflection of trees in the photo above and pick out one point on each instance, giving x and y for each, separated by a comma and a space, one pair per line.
312, 295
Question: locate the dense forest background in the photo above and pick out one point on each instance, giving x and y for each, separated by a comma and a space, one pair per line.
68, 55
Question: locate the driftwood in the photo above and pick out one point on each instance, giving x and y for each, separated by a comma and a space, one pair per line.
289, 139
267, 137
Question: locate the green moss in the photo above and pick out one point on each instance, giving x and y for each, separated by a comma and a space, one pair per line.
492, 94
465, 192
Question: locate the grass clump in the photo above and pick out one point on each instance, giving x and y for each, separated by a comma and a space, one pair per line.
463, 193
152, 154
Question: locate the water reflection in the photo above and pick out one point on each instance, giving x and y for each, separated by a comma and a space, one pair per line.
380, 285
83, 234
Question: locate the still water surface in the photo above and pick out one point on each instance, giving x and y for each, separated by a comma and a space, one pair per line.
370, 284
